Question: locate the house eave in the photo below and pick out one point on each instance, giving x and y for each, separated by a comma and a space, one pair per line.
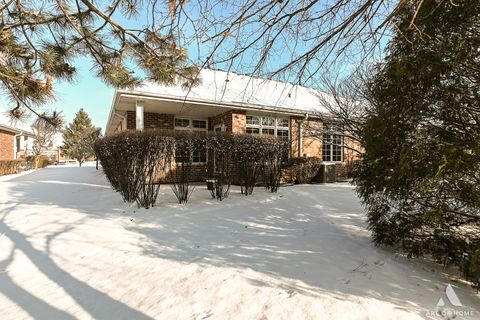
197, 101
15, 131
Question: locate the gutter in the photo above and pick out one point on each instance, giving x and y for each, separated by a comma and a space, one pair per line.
112, 110
15, 144
236, 105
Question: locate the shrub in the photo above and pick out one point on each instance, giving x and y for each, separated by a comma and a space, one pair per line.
29, 162
274, 152
187, 146
42, 161
156, 156
303, 170
220, 166
134, 162
248, 160
11, 166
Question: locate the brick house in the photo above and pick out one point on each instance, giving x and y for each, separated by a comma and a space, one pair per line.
233, 103
13, 142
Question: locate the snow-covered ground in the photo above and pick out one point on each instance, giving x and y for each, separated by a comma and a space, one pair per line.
70, 248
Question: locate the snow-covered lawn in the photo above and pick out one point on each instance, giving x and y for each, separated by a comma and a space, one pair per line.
70, 248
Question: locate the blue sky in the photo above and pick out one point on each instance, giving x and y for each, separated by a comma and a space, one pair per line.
87, 92
91, 94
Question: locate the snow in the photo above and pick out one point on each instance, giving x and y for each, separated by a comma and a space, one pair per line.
20, 124
229, 87
71, 249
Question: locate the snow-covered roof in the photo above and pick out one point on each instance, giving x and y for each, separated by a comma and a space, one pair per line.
17, 126
228, 87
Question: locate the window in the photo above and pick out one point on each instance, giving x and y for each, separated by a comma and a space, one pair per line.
332, 149
282, 133
253, 130
253, 120
182, 122
267, 125
199, 155
270, 132
282, 123
268, 121
200, 124
192, 124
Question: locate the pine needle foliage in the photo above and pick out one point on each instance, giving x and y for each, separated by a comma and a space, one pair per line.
79, 138
420, 174
39, 41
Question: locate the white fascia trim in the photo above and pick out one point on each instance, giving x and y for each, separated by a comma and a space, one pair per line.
237, 105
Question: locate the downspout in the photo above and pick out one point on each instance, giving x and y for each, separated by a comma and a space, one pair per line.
15, 144
300, 135
299, 143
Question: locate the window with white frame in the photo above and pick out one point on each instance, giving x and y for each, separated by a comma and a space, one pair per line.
332, 148
189, 124
199, 155
268, 125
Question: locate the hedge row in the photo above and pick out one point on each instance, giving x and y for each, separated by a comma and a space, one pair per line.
135, 162
19, 165
11, 166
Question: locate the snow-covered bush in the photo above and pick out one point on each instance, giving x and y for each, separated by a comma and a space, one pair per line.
220, 169
247, 157
255, 156
188, 144
275, 154
134, 162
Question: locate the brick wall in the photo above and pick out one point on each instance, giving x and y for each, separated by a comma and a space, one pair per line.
234, 121
311, 146
239, 122
198, 173
6, 145
151, 120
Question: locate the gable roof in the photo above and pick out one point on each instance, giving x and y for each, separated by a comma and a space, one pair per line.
225, 89
228, 87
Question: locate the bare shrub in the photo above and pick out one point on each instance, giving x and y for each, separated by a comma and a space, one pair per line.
248, 161
155, 159
188, 145
220, 163
304, 169
134, 162
274, 152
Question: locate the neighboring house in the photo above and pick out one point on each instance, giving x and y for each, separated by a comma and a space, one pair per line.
233, 103
15, 140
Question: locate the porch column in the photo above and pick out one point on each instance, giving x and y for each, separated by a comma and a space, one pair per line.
300, 138
139, 124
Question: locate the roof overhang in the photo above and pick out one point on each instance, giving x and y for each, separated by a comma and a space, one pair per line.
15, 131
126, 100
